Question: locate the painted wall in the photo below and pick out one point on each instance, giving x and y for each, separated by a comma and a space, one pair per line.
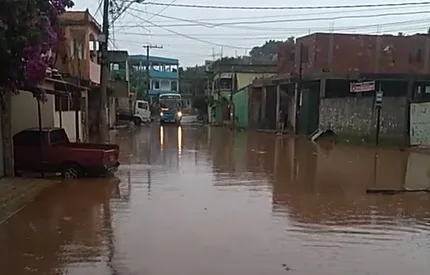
240, 101
68, 123
24, 112
356, 116
244, 79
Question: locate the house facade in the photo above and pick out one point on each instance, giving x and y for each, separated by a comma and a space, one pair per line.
119, 95
163, 76
226, 80
316, 75
78, 63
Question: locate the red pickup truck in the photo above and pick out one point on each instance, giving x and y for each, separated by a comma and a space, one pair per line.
51, 151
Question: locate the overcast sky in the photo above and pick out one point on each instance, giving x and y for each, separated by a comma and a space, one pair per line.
192, 45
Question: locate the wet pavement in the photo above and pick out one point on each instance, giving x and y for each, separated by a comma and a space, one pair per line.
208, 201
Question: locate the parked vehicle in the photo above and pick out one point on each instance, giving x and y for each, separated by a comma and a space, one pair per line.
140, 113
51, 151
170, 108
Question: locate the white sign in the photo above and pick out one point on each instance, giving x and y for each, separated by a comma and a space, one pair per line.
378, 98
360, 87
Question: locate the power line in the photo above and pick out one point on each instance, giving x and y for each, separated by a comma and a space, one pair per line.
185, 35
313, 28
295, 14
139, 43
194, 23
199, 6
165, 8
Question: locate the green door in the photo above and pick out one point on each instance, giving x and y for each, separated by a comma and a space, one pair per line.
309, 111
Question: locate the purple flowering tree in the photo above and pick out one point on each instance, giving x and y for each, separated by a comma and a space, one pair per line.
29, 34
29, 31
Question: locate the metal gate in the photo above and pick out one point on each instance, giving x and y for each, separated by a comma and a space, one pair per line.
420, 123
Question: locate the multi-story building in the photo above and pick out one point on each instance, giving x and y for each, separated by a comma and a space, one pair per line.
77, 55
77, 62
120, 96
316, 81
163, 76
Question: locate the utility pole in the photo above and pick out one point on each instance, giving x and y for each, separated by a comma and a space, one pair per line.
233, 87
299, 88
148, 77
104, 75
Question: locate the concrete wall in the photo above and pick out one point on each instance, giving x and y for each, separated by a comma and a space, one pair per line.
355, 116
24, 112
68, 123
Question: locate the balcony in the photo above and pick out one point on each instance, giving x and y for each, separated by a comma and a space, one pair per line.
95, 72
163, 75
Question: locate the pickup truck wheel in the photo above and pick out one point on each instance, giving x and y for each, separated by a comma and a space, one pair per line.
137, 121
71, 172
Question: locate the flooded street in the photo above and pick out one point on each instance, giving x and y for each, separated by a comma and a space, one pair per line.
207, 201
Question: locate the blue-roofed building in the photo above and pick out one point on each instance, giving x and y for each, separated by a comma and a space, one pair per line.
163, 74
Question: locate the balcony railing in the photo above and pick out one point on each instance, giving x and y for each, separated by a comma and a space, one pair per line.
163, 75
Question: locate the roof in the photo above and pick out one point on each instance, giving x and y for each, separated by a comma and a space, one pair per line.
79, 18
154, 59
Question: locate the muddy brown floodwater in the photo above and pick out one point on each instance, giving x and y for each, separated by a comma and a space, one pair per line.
199, 201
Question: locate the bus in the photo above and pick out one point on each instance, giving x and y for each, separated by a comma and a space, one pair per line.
170, 108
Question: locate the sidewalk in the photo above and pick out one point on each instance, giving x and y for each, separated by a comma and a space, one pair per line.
15, 193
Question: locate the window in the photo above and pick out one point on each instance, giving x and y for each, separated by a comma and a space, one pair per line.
65, 103
58, 137
114, 66
174, 86
156, 84
142, 105
77, 50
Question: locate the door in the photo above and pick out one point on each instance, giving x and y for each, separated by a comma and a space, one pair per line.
142, 110
309, 111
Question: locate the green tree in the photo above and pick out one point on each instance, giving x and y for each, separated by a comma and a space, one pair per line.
269, 48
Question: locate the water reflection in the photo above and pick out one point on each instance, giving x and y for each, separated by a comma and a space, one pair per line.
214, 201
161, 137
179, 140
57, 234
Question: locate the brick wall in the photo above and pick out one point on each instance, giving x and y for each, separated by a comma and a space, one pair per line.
346, 53
355, 116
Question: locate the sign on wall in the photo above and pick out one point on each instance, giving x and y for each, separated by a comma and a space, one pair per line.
378, 98
360, 87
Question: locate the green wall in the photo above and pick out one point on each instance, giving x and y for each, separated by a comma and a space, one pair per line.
240, 101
